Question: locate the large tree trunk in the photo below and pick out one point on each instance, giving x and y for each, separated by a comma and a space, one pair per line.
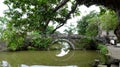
117, 30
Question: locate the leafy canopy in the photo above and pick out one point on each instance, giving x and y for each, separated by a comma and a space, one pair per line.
90, 24
85, 22
37, 14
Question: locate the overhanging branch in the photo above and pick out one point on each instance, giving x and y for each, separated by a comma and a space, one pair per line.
66, 18
60, 5
54, 10
57, 27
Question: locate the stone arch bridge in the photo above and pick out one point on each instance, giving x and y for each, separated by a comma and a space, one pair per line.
74, 39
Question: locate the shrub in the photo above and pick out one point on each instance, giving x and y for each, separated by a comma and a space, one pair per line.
103, 49
14, 40
31, 48
41, 42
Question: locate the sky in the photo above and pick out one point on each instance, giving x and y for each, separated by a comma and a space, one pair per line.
83, 11
3, 7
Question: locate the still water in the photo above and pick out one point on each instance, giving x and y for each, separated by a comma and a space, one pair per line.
48, 59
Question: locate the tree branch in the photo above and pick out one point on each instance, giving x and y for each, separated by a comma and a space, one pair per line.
57, 27
66, 18
54, 10
60, 5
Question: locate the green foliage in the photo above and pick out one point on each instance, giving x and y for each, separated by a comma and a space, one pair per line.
41, 42
90, 24
16, 43
36, 14
49, 29
31, 48
84, 23
108, 21
3, 22
92, 30
103, 49
88, 28
13, 37
14, 40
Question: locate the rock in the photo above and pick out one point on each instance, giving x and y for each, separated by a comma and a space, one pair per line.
96, 63
119, 64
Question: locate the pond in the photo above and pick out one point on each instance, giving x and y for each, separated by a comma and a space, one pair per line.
76, 58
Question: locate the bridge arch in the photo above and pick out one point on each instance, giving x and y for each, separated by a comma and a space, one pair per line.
72, 46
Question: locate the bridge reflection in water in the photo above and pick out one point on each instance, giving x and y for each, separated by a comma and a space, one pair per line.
61, 47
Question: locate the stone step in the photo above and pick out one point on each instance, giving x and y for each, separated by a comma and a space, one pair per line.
113, 65
102, 65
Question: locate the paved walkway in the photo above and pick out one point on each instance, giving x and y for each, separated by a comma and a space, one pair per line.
114, 52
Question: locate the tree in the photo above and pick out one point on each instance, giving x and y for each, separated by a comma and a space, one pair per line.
34, 15
89, 29
84, 23
106, 19
37, 14
44, 11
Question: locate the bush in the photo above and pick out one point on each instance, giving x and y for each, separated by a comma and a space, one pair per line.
41, 42
14, 40
103, 49
15, 43
31, 48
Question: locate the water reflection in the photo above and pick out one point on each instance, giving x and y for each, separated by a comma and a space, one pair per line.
62, 53
23, 65
48, 58
6, 64
64, 50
